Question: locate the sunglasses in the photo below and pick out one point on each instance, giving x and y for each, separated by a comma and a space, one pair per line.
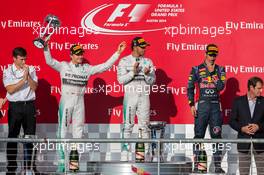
212, 55
79, 53
142, 47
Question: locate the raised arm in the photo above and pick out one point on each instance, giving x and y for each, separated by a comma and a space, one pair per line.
55, 64
109, 63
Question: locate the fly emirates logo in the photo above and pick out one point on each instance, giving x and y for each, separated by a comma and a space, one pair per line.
244, 69
121, 19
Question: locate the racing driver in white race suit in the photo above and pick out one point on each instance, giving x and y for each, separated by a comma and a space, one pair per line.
137, 73
74, 76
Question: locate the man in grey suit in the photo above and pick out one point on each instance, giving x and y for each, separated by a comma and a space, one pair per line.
247, 118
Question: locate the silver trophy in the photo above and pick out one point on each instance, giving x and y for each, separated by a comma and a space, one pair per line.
157, 129
50, 21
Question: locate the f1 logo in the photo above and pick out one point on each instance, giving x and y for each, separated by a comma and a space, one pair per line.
135, 15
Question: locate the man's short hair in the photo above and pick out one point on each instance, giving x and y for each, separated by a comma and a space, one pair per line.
253, 82
19, 51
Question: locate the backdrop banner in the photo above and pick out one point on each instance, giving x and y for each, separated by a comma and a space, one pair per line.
178, 32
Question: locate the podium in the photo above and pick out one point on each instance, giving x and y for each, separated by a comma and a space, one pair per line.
183, 166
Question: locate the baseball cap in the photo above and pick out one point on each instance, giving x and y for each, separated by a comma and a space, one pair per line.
212, 49
76, 49
139, 41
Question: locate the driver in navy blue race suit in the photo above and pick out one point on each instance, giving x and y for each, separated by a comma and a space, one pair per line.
209, 78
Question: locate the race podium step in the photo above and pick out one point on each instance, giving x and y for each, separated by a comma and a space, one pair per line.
130, 168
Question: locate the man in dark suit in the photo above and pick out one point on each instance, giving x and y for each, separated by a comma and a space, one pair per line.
247, 118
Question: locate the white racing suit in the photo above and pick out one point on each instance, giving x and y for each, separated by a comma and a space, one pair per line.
136, 98
74, 80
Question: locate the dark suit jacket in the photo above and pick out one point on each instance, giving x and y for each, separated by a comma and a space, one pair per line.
240, 116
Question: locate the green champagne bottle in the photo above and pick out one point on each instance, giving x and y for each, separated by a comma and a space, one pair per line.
202, 160
74, 161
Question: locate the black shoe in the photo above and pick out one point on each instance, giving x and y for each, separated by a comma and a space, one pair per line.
219, 170
10, 173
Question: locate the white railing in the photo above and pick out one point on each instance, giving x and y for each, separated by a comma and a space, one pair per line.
49, 167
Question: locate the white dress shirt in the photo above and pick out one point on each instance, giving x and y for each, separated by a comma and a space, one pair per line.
11, 76
251, 104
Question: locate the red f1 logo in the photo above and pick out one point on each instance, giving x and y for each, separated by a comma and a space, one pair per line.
135, 15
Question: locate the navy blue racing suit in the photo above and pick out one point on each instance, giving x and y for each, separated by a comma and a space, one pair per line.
208, 106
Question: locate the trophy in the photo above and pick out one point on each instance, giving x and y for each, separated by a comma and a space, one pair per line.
50, 21
157, 127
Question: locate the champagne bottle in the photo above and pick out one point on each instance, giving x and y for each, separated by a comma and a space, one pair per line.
202, 160
74, 160
140, 148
